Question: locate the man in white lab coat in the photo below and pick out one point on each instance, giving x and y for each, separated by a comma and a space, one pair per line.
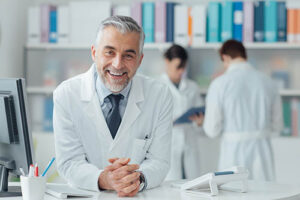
112, 127
244, 106
186, 94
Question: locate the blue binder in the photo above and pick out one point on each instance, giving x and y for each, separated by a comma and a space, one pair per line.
214, 22
259, 21
170, 22
227, 20
184, 118
148, 21
238, 21
53, 26
270, 21
281, 21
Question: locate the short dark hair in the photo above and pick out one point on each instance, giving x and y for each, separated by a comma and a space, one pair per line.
234, 49
177, 51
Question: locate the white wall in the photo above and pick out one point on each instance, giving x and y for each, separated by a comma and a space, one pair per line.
13, 21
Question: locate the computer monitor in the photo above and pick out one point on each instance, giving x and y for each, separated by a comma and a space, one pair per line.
15, 137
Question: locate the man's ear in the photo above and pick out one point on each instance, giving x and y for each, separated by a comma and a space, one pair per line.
141, 58
93, 52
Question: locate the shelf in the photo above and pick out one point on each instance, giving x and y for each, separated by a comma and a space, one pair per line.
48, 46
286, 92
163, 46
49, 91
40, 90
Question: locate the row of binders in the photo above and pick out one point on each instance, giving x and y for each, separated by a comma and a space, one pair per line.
215, 21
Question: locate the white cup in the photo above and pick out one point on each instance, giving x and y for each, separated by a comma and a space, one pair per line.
33, 188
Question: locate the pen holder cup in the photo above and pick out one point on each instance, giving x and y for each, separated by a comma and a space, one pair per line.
33, 188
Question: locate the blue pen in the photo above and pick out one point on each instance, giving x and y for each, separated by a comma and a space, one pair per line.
49, 165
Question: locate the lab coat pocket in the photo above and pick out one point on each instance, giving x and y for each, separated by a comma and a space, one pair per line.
138, 151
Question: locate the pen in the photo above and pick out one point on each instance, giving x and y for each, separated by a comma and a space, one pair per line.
36, 170
48, 166
31, 171
22, 172
223, 173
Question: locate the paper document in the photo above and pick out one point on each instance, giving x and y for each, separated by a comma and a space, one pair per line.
184, 118
63, 191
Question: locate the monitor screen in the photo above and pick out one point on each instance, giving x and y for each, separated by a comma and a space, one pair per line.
15, 135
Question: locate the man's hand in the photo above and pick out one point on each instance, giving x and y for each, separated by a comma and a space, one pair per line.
198, 119
121, 177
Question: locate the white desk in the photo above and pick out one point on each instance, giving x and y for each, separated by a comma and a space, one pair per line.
257, 191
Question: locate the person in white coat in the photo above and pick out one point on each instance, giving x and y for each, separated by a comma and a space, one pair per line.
113, 128
244, 107
186, 94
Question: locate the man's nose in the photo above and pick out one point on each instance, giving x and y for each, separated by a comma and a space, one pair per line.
117, 62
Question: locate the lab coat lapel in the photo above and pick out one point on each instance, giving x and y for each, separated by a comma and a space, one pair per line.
132, 111
92, 107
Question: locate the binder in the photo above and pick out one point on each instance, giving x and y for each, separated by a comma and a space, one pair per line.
214, 22
248, 24
258, 21
181, 25
227, 21
148, 21
281, 21
63, 24
270, 18
136, 12
198, 24
34, 25
53, 25
160, 21
45, 21
123, 10
170, 22
238, 21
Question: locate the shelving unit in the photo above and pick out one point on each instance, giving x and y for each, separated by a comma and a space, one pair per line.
258, 45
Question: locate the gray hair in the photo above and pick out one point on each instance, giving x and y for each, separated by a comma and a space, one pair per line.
124, 24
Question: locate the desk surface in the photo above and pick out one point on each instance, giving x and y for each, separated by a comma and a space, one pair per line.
257, 191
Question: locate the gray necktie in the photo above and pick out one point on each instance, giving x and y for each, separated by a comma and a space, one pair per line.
114, 118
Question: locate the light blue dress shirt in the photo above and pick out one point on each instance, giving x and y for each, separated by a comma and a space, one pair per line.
103, 94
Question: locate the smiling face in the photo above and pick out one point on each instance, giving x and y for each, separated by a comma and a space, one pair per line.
117, 57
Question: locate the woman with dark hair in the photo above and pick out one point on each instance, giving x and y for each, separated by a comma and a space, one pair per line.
186, 94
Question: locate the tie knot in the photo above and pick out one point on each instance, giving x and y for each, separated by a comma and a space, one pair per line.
115, 98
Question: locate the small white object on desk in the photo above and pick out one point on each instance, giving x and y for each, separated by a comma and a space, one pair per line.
211, 181
64, 191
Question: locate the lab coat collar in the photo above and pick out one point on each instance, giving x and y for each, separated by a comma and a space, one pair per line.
182, 84
239, 65
93, 109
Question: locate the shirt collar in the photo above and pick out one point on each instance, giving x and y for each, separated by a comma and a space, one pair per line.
103, 92
239, 65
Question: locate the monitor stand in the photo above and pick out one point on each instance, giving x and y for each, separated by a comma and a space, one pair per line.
5, 191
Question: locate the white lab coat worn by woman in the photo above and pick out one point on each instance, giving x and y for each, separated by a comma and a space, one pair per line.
244, 106
184, 156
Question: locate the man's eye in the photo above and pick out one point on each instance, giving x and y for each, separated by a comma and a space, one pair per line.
109, 52
128, 56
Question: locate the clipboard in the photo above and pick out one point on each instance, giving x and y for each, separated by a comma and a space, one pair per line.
184, 118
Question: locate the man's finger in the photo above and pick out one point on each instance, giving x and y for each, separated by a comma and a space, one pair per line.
112, 160
131, 188
117, 164
128, 168
131, 177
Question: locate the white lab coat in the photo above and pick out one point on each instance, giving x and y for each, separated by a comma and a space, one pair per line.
244, 106
84, 144
184, 140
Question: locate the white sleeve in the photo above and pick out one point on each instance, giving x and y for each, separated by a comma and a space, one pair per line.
71, 159
277, 115
213, 120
